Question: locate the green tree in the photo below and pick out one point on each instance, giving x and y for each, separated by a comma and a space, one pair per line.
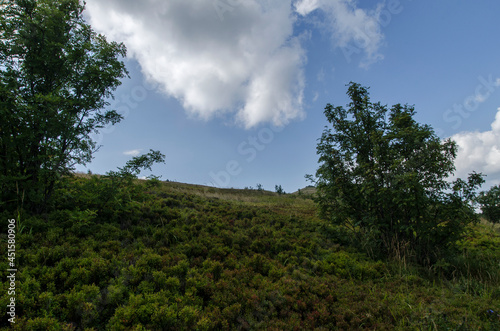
133, 167
56, 74
490, 204
383, 175
279, 189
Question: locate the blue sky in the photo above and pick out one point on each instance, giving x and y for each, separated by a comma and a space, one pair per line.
233, 91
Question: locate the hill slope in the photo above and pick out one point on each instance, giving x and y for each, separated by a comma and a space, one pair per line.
170, 256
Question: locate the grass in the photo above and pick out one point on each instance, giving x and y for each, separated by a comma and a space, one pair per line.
173, 256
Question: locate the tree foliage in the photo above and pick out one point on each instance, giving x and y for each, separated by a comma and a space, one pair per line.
490, 204
384, 175
279, 189
134, 166
56, 74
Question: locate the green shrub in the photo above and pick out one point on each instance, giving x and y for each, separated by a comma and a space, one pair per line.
82, 305
264, 264
45, 323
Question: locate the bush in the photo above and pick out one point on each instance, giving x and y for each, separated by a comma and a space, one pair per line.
224, 264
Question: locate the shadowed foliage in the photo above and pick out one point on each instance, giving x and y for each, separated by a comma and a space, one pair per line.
56, 74
384, 176
146, 255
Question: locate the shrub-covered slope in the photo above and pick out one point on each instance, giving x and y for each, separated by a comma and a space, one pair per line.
168, 256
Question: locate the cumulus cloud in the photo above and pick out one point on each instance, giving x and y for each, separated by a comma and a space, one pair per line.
353, 29
480, 152
228, 57
304, 7
133, 152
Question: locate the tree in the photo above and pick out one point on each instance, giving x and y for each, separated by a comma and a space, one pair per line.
490, 204
56, 74
133, 167
279, 189
384, 175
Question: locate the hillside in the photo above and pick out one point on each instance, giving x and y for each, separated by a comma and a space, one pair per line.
151, 255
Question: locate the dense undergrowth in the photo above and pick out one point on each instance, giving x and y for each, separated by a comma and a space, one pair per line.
168, 256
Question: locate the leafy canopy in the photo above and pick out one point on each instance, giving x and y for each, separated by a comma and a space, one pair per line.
383, 175
56, 74
490, 204
133, 167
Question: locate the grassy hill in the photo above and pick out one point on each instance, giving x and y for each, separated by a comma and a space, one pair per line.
152, 255
308, 190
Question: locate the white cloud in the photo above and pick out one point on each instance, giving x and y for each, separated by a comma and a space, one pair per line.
353, 29
480, 152
229, 57
133, 152
304, 7
248, 62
